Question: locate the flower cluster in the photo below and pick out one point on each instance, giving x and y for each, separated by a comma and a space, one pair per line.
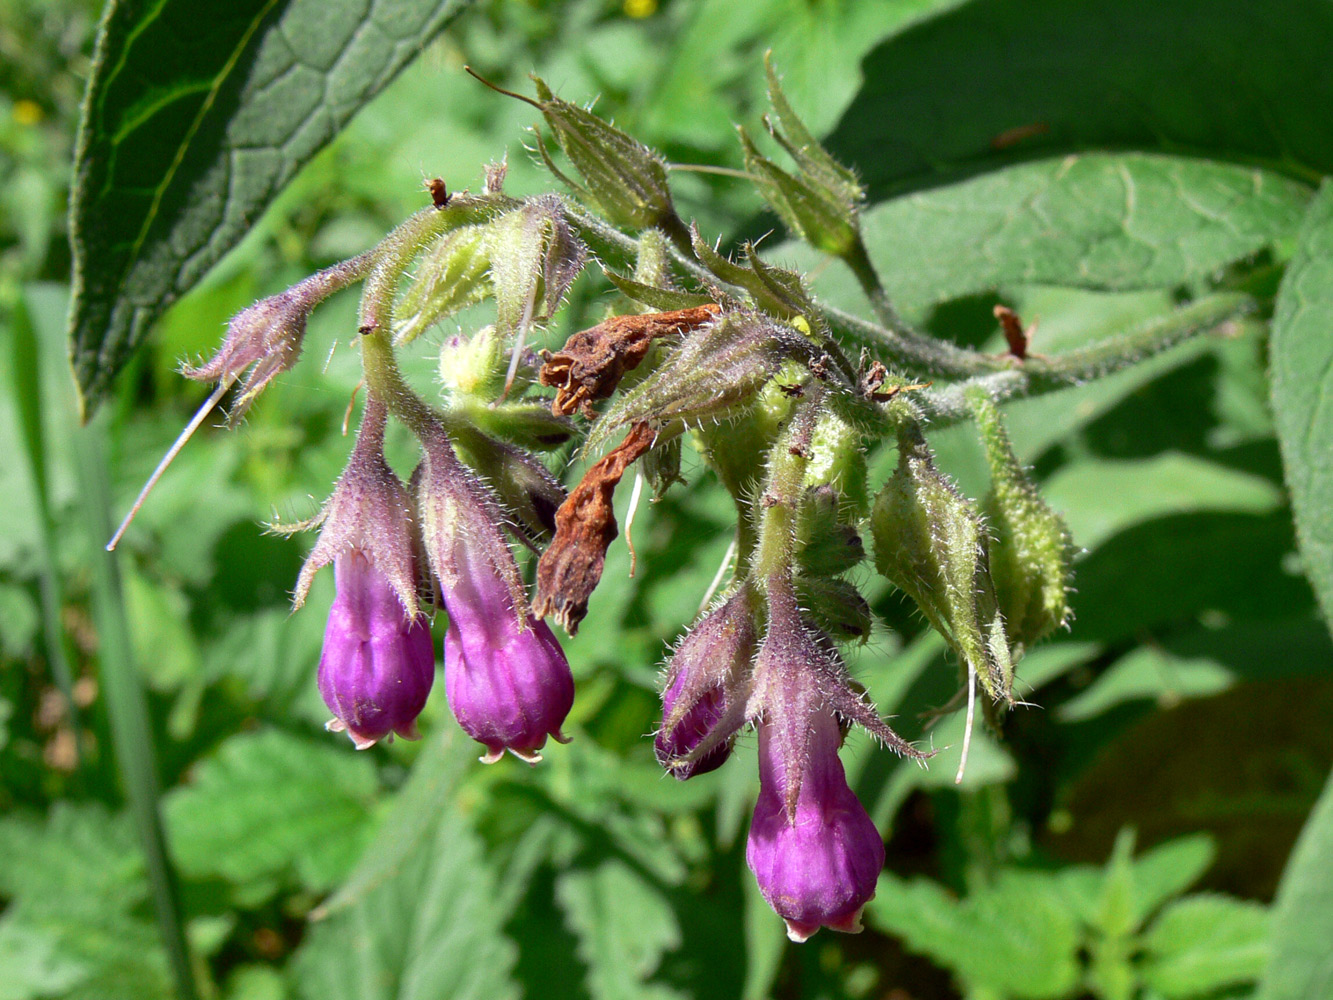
746, 362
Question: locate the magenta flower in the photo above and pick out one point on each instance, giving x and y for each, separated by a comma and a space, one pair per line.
817, 860
505, 676
707, 686
378, 663
699, 720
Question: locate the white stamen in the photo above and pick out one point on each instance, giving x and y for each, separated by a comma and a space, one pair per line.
629, 519
967, 726
169, 457
717, 578
520, 340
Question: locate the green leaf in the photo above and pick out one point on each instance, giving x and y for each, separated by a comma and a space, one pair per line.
1014, 938
1302, 380
192, 126
1148, 672
1110, 222
1168, 870
1168, 483
423, 922
1301, 967
624, 925
998, 80
268, 803
1203, 943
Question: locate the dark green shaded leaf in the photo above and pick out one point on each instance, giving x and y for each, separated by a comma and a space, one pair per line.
1302, 380
192, 124
999, 80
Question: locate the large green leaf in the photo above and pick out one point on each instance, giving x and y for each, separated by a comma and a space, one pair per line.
1302, 380
998, 80
1301, 967
1106, 221
192, 124
271, 802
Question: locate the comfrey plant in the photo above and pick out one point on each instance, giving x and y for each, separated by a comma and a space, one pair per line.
734, 357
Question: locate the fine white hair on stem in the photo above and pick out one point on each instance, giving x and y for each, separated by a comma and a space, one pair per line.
967, 725
200, 415
717, 577
629, 518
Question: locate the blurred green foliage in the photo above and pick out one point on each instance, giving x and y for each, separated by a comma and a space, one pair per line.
1190, 699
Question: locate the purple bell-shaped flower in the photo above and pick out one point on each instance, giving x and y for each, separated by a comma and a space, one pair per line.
506, 677
707, 686
378, 664
816, 860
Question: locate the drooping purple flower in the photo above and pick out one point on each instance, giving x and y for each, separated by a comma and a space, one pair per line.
707, 685
378, 664
816, 861
506, 677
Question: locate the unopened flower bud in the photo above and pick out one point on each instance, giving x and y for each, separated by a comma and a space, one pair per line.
625, 179
452, 274
826, 545
806, 207
506, 678
267, 336
716, 371
703, 704
534, 257
816, 857
930, 542
378, 663
1031, 550
836, 607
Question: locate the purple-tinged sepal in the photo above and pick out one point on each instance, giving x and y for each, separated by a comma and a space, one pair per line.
369, 511
506, 677
707, 689
266, 337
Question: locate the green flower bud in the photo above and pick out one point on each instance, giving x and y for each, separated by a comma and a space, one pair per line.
821, 201
805, 207
717, 370
836, 607
837, 460
452, 274
826, 545
1031, 551
622, 177
473, 367
930, 542
534, 257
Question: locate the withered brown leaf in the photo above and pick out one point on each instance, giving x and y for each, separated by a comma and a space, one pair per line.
585, 526
593, 361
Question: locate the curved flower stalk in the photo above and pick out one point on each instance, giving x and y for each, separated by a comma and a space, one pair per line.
506, 677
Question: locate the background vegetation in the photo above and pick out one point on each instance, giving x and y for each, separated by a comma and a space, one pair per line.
1090, 164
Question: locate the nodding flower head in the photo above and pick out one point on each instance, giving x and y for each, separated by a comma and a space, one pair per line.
703, 704
816, 858
378, 663
813, 849
506, 678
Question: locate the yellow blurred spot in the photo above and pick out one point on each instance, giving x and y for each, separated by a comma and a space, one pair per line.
27, 112
640, 8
